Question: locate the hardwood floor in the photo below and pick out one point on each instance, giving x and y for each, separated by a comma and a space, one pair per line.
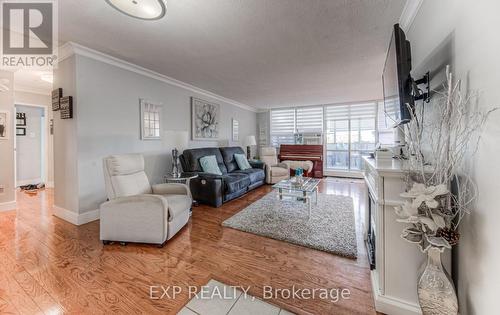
51, 266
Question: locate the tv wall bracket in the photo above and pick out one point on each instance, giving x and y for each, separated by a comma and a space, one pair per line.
418, 94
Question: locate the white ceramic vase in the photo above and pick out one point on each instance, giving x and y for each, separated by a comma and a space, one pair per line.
436, 292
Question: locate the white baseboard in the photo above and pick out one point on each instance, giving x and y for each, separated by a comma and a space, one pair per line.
7, 206
89, 216
390, 305
28, 182
75, 218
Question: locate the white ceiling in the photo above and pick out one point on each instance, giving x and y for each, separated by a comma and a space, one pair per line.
261, 53
31, 81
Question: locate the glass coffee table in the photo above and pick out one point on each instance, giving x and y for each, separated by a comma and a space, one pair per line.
300, 191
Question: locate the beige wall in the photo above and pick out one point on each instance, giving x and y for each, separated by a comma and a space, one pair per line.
7, 146
464, 34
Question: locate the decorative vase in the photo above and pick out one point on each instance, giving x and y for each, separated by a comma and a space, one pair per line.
436, 292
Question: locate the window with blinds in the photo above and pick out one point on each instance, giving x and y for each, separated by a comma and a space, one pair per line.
350, 134
282, 126
349, 130
287, 124
310, 119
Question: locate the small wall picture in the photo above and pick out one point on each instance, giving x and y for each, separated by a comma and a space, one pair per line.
66, 107
150, 120
236, 130
21, 132
20, 119
205, 119
4, 125
56, 96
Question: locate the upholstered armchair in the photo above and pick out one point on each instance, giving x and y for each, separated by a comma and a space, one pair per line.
136, 211
274, 171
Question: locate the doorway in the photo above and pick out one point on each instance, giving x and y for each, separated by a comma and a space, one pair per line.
31, 145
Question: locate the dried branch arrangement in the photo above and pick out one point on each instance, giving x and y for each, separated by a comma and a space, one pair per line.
437, 151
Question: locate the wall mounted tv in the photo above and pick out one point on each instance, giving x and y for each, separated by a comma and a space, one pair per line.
396, 80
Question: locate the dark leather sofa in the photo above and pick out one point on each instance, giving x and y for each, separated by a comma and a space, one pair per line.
214, 190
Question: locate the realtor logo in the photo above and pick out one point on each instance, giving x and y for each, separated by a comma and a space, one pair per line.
29, 34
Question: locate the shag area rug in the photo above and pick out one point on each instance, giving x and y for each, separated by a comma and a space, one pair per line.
331, 227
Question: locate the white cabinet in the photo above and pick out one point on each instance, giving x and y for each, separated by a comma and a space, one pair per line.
397, 262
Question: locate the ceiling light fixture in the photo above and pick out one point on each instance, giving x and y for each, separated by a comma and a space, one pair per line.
140, 9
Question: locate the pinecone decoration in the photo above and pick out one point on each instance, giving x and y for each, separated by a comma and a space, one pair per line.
450, 235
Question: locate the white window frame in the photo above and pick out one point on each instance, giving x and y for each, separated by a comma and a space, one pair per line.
328, 172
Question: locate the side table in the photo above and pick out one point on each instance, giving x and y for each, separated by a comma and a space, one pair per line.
182, 179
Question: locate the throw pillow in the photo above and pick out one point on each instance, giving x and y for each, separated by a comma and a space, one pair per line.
209, 165
242, 162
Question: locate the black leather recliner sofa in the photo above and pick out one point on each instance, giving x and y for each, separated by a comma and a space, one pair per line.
214, 190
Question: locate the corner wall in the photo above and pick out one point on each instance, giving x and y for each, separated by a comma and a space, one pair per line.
465, 34
65, 146
8, 195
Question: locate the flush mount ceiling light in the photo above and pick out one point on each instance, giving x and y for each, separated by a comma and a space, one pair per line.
140, 9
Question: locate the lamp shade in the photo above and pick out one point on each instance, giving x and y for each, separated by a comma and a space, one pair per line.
177, 139
249, 141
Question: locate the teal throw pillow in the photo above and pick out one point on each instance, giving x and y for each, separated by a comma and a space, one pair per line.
242, 162
209, 165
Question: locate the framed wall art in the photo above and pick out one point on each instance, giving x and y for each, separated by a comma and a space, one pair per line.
150, 120
66, 107
205, 119
4, 125
20, 131
56, 96
20, 119
236, 130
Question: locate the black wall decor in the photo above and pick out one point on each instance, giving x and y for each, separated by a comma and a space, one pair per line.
20, 131
20, 119
66, 106
56, 97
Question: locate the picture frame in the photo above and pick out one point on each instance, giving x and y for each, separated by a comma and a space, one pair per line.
20, 132
5, 126
205, 119
151, 120
66, 107
20, 119
235, 130
56, 97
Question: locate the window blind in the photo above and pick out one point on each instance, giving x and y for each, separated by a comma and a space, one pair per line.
310, 119
282, 126
351, 111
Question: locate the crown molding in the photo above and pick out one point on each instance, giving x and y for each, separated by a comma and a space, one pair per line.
409, 13
29, 89
70, 48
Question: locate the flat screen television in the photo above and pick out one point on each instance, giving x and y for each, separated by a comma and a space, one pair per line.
397, 81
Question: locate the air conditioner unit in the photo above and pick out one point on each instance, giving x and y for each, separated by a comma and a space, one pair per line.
308, 138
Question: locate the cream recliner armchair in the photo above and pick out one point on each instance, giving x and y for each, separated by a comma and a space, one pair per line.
274, 171
136, 211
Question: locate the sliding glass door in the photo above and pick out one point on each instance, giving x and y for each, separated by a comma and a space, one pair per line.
337, 144
350, 134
